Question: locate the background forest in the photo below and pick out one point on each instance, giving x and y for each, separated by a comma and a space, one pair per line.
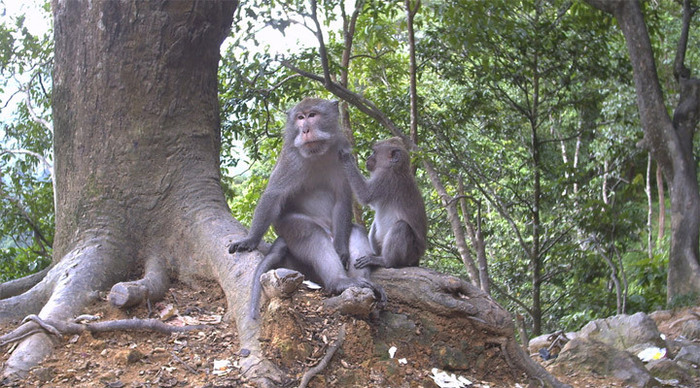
526, 126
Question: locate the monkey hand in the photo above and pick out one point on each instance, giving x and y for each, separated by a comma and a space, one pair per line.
344, 254
344, 258
344, 155
365, 261
379, 293
245, 245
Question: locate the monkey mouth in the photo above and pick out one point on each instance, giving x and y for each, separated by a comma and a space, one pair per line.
314, 147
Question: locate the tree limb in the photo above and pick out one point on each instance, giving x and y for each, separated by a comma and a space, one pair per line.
679, 68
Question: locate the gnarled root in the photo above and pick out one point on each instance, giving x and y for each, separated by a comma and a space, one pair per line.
353, 301
68, 287
151, 287
424, 290
32, 324
19, 286
280, 283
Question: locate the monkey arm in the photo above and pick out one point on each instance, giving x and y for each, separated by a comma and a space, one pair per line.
342, 226
358, 183
268, 208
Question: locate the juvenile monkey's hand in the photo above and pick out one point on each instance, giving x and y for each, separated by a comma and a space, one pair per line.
344, 155
365, 261
245, 245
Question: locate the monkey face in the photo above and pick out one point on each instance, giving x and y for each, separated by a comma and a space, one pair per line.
311, 139
314, 126
371, 162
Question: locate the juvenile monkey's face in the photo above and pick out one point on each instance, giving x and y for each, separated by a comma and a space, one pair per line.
371, 162
386, 157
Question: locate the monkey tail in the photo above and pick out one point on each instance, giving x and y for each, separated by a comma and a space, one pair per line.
273, 259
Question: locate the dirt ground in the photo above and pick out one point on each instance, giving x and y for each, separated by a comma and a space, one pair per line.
210, 358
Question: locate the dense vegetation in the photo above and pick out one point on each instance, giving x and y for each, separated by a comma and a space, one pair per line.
526, 111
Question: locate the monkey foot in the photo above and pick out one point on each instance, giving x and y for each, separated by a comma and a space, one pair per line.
353, 301
280, 283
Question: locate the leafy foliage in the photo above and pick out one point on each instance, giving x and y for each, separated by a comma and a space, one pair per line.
26, 193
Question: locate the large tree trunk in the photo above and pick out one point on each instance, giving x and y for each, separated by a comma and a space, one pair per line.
137, 172
670, 143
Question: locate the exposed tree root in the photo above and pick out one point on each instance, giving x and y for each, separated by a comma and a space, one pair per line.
30, 301
152, 287
19, 286
353, 301
33, 324
432, 292
15, 308
71, 285
326, 359
534, 370
280, 283
234, 274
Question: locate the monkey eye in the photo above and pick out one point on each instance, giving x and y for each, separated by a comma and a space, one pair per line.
312, 114
300, 117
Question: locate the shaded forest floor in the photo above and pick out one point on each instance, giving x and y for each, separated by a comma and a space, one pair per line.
210, 358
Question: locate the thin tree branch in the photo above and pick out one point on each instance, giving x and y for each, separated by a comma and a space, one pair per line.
326, 359
30, 108
679, 69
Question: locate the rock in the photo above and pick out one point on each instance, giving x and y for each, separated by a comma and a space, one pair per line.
691, 329
689, 353
43, 374
128, 356
597, 357
668, 371
624, 331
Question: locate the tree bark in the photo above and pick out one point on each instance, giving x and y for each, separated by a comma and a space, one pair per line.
137, 171
476, 237
669, 141
650, 210
662, 204
411, 11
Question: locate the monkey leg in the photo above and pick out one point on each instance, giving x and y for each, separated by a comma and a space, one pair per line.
359, 248
312, 252
399, 249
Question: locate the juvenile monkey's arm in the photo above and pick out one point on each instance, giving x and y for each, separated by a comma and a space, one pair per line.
358, 183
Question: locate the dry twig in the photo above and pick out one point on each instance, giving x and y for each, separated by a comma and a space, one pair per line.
326, 359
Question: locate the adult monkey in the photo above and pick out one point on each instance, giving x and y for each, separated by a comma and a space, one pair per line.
398, 233
308, 201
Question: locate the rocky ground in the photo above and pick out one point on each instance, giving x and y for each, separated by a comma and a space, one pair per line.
210, 358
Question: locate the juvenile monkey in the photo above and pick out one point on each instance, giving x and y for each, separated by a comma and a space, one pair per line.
398, 233
309, 203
